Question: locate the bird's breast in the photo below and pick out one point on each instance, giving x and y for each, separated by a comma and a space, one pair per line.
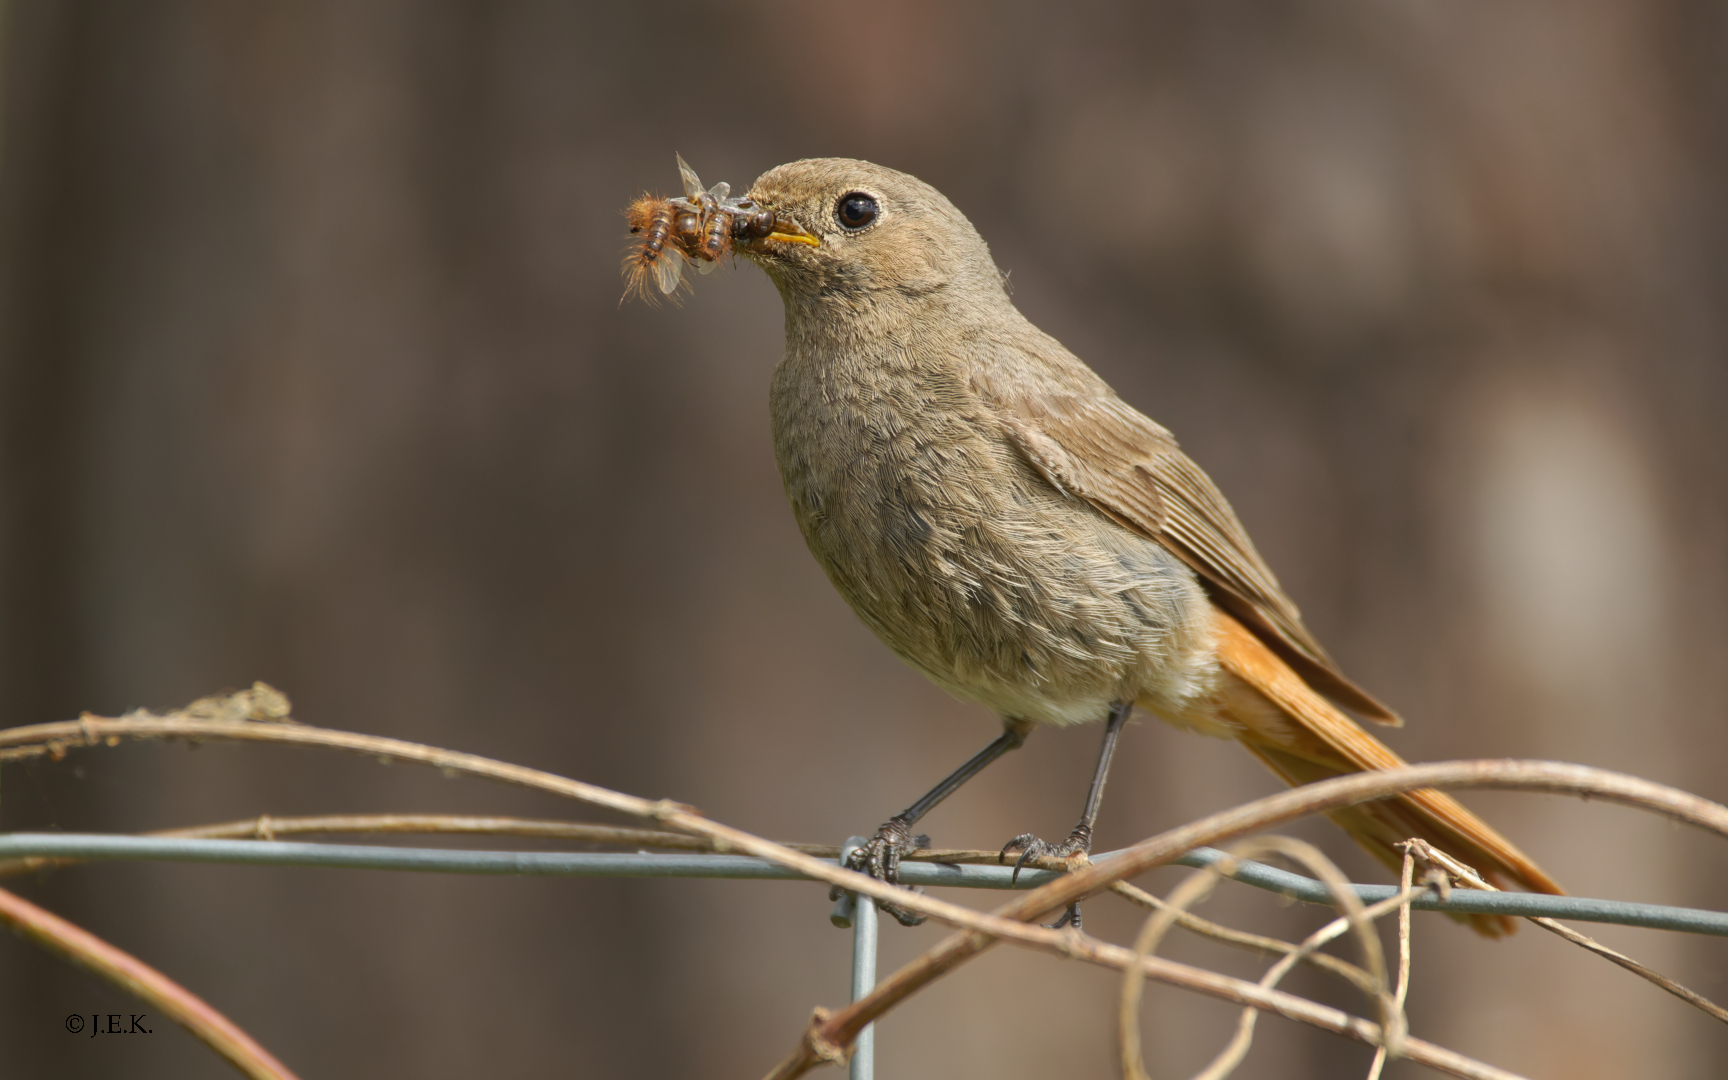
962, 559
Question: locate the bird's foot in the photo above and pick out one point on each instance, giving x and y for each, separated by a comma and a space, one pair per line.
880, 858
1079, 842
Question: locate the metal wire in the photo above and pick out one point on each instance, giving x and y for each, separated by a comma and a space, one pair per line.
848, 912
610, 864
863, 915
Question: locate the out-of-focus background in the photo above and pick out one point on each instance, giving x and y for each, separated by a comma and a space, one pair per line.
313, 370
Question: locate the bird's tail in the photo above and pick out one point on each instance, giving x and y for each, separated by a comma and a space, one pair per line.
1304, 738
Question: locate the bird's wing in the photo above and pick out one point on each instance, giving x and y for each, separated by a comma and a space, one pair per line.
1097, 448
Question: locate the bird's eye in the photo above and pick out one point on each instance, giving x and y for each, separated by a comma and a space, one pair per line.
856, 210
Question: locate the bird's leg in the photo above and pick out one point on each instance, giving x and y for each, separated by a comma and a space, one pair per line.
1079, 841
880, 855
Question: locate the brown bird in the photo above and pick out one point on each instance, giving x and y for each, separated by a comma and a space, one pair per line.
1011, 528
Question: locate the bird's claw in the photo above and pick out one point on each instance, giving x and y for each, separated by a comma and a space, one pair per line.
1070, 917
879, 857
1079, 842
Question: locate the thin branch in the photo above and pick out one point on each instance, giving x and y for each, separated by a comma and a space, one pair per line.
1468, 877
1197, 887
1192, 890
268, 827
144, 982
1009, 921
1076, 946
1406, 877
1241, 939
1392, 1044
56, 739
1355, 917
981, 931
1691, 997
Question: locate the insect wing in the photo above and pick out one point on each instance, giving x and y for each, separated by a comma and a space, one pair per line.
692, 185
667, 269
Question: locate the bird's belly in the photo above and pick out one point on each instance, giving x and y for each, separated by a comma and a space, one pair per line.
1005, 592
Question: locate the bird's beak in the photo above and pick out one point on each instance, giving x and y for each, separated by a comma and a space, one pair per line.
788, 231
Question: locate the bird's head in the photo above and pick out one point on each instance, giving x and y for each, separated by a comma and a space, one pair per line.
858, 234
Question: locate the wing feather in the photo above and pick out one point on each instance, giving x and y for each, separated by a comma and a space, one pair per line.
1097, 448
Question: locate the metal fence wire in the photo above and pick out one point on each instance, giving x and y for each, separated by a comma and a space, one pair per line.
861, 919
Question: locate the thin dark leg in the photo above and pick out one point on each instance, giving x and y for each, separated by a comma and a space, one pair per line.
1080, 840
880, 858
1095, 793
1012, 737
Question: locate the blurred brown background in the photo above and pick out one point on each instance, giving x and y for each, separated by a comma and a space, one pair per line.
312, 370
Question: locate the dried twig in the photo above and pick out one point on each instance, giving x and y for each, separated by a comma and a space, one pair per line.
1468, 877
144, 982
58, 738
268, 827
1405, 878
841, 1026
1691, 997
1199, 885
1241, 939
981, 930
1192, 890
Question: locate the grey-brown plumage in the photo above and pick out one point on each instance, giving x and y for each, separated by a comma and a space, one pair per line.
1011, 528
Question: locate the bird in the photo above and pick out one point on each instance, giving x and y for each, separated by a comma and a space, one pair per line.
1011, 528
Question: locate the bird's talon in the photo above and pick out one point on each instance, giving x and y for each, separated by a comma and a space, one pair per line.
1079, 842
1023, 841
1026, 856
1070, 917
879, 857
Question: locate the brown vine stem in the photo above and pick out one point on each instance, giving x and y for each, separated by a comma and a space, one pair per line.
1471, 880
1406, 888
56, 739
831, 1033
835, 1031
1198, 887
1240, 939
266, 827
1071, 945
143, 981
271, 827
274, 827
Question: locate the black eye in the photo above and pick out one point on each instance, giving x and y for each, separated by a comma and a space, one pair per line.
856, 210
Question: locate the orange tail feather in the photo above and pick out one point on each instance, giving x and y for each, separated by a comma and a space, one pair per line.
1304, 738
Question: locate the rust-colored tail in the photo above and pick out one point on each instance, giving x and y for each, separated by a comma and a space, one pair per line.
1304, 738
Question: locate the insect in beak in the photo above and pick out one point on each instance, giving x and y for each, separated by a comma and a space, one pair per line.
701, 227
